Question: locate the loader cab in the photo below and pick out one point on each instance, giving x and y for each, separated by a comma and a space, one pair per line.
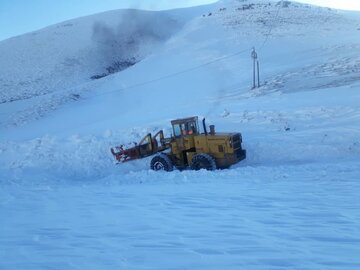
183, 143
186, 126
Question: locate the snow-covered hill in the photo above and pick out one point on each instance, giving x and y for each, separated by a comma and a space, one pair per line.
71, 91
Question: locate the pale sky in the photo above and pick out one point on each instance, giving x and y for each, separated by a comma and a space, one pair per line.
21, 16
340, 4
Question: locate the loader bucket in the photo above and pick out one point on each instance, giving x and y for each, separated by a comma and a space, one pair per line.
146, 147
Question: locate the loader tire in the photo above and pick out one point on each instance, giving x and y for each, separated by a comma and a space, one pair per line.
203, 161
161, 162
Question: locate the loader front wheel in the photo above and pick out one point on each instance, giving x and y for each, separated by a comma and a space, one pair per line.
203, 161
161, 162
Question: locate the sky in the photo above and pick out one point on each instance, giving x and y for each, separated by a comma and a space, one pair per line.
340, 4
22, 16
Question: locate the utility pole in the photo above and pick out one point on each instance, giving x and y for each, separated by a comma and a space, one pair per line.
258, 73
256, 68
254, 57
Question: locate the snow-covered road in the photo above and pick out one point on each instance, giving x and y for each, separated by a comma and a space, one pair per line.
278, 217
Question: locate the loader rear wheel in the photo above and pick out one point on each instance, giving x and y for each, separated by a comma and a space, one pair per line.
161, 162
203, 161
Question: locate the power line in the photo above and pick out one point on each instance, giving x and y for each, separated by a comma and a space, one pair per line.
175, 73
199, 66
272, 25
195, 67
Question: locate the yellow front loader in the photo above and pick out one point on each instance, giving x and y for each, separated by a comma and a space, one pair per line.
187, 148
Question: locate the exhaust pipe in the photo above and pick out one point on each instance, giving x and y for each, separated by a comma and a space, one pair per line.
212, 130
204, 125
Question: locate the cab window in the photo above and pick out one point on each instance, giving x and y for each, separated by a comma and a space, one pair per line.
191, 128
177, 130
184, 129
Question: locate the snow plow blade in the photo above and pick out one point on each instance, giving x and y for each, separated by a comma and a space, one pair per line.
148, 146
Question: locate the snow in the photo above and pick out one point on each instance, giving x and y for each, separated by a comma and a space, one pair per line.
292, 204
256, 217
